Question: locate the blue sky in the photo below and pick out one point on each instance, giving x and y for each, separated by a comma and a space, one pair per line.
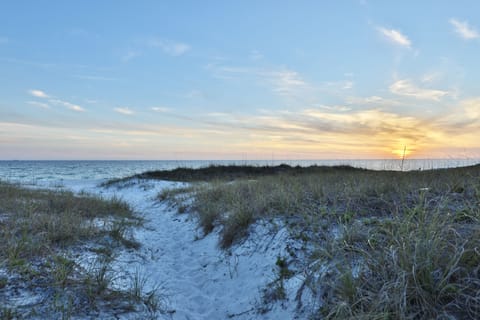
239, 80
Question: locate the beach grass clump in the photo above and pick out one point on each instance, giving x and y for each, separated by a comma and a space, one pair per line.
35, 221
422, 263
43, 231
178, 197
382, 244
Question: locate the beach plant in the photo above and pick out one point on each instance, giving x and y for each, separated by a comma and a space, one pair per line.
380, 244
119, 230
42, 232
151, 299
62, 270
99, 277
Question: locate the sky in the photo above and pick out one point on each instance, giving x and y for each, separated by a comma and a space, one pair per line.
177, 80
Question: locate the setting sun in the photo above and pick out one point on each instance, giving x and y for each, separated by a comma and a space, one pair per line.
402, 152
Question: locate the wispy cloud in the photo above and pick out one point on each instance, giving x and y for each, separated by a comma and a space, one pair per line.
160, 109
337, 85
328, 129
431, 77
395, 37
47, 65
283, 81
286, 82
68, 105
38, 93
39, 104
125, 111
320, 131
53, 100
370, 101
229, 72
172, 48
348, 85
95, 78
130, 55
74, 107
195, 94
466, 115
463, 29
472, 109
337, 108
407, 88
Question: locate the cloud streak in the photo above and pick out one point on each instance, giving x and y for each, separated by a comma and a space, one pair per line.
160, 109
125, 111
407, 88
68, 105
52, 100
282, 81
39, 104
38, 94
172, 48
466, 117
464, 30
286, 82
332, 129
395, 37
357, 132
130, 55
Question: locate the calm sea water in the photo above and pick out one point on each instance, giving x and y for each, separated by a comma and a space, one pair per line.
49, 171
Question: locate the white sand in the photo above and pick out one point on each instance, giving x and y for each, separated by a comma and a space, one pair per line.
197, 279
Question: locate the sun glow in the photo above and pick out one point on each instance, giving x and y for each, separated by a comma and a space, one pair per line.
402, 152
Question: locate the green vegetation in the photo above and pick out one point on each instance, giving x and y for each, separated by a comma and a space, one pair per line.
43, 232
381, 245
225, 173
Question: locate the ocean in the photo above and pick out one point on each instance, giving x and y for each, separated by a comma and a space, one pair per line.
35, 172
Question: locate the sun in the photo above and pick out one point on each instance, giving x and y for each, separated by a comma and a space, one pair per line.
402, 152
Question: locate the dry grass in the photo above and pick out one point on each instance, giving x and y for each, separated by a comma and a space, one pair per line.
36, 221
41, 230
386, 245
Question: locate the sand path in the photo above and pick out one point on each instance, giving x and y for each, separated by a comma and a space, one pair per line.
197, 279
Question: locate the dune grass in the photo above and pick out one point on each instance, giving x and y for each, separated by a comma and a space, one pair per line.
381, 245
225, 173
42, 231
